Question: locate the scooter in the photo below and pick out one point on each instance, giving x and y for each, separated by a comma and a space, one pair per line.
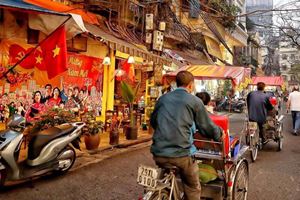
48, 151
236, 106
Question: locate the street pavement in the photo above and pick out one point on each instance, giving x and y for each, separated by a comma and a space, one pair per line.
274, 175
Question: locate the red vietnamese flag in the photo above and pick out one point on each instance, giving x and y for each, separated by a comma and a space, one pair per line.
129, 70
34, 59
54, 50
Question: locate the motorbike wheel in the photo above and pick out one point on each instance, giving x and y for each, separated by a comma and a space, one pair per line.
242, 109
164, 195
69, 160
280, 144
247, 139
3, 174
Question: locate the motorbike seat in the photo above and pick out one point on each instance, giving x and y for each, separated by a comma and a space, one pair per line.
42, 138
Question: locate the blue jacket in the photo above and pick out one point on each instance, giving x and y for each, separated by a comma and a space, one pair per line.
258, 105
172, 120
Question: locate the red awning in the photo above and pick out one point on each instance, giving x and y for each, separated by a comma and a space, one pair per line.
268, 80
236, 74
60, 7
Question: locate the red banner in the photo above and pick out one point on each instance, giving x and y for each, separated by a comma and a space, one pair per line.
84, 71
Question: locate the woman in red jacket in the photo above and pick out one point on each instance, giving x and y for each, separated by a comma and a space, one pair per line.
36, 109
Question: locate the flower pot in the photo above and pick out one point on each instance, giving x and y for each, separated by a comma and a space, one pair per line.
131, 132
92, 141
114, 137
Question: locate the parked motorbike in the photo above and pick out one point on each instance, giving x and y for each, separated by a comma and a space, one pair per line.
48, 151
231, 105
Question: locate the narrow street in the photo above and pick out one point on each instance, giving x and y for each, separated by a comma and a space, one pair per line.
275, 175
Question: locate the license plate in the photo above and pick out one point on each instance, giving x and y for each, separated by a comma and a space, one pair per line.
252, 126
147, 176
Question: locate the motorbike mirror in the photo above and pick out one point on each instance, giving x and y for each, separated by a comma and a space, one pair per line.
16, 121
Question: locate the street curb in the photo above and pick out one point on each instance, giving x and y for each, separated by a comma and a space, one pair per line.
134, 142
89, 158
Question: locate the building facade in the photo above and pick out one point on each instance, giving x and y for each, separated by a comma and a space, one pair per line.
263, 22
289, 56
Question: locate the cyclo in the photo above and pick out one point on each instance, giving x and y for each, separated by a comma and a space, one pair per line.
226, 157
272, 131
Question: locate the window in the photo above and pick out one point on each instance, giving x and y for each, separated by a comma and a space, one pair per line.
292, 56
284, 57
191, 6
284, 77
1, 15
283, 67
32, 36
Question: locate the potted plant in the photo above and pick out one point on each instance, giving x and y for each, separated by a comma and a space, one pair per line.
91, 131
114, 131
129, 95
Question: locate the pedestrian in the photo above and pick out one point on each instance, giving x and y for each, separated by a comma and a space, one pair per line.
258, 106
205, 97
293, 105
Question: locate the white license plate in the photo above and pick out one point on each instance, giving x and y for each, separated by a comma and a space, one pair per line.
252, 126
147, 176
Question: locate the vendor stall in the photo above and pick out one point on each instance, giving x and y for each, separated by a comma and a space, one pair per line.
273, 83
212, 78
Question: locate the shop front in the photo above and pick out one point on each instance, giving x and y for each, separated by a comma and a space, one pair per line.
213, 78
35, 54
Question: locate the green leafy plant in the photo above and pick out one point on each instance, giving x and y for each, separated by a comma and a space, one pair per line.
52, 117
129, 95
227, 12
92, 126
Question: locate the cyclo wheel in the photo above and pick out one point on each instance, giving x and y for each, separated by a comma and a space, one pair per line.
254, 147
241, 183
164, 195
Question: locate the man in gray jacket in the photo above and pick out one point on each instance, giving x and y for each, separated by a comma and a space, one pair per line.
175, 115
258, 106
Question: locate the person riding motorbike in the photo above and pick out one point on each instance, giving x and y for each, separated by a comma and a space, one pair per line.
174, 116
258, 106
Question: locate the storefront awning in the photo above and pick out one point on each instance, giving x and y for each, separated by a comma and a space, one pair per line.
20, 5
125, 47
268, 80
48, 23
236, 74
186, 57
60, 7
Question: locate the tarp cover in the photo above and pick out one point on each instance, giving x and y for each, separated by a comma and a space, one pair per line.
268, 80
60, 7
19, 4
236, 74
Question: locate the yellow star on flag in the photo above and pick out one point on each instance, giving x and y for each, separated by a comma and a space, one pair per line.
56, 51
38, 59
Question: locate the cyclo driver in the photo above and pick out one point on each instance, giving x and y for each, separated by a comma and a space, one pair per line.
175, 115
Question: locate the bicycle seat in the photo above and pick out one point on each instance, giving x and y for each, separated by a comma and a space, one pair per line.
171, 167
